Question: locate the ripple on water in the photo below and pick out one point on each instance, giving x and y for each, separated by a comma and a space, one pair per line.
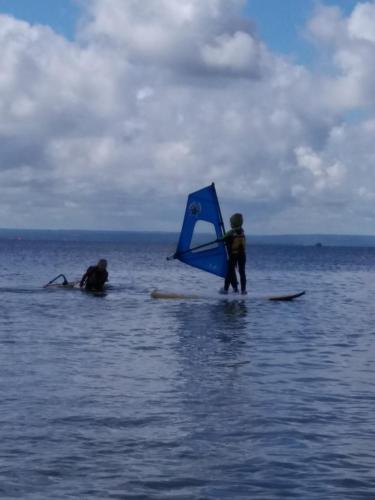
122, 396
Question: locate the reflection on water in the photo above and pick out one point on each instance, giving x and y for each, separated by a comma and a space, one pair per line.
203, 327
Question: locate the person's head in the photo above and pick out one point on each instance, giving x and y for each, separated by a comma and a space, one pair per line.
236, 221
102, 264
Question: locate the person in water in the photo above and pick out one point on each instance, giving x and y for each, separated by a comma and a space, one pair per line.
236, 245
95, 277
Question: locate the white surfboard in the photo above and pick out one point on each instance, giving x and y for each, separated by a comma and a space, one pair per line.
158, 294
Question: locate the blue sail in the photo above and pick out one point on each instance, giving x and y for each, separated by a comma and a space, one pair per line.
203, 205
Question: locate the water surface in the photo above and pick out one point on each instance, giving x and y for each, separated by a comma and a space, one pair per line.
123, 396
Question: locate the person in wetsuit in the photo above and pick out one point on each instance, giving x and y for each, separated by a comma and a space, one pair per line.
236, 245
95, 277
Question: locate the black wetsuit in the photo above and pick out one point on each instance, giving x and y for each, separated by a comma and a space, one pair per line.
236, 245
94, 278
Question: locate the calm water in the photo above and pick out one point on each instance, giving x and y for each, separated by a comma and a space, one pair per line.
123, 396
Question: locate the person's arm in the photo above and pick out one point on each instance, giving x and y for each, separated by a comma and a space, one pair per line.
226, 235
84, 277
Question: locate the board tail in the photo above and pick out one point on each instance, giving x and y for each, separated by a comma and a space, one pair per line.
203, 214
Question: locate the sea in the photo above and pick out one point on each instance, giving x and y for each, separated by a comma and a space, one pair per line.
122, 396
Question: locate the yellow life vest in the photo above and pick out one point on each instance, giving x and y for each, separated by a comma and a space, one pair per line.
237, 242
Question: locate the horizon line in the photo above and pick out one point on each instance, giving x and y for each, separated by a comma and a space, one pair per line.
152, 231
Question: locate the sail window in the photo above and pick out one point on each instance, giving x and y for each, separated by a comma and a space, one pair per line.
204, 232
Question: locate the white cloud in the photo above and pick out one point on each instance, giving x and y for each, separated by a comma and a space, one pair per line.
158, 98
361, 24
327, 25
238, 53
349, 44
324, 175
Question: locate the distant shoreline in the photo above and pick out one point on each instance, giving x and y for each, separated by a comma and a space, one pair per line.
316, 240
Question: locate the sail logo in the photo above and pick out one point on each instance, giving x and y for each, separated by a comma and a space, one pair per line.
195, 208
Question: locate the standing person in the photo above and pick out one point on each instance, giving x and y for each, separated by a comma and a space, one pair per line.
95, 277
236, 244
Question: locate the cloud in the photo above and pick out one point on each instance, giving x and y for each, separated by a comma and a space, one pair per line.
323, 176
238, 53
349, 43
155, 99
361, 23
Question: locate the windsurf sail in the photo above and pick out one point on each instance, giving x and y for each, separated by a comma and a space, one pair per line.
211, 254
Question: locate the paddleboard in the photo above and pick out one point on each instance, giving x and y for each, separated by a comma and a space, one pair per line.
74, 285
290, 296
67, 286
157, 294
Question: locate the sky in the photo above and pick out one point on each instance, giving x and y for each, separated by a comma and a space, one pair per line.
112, 111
